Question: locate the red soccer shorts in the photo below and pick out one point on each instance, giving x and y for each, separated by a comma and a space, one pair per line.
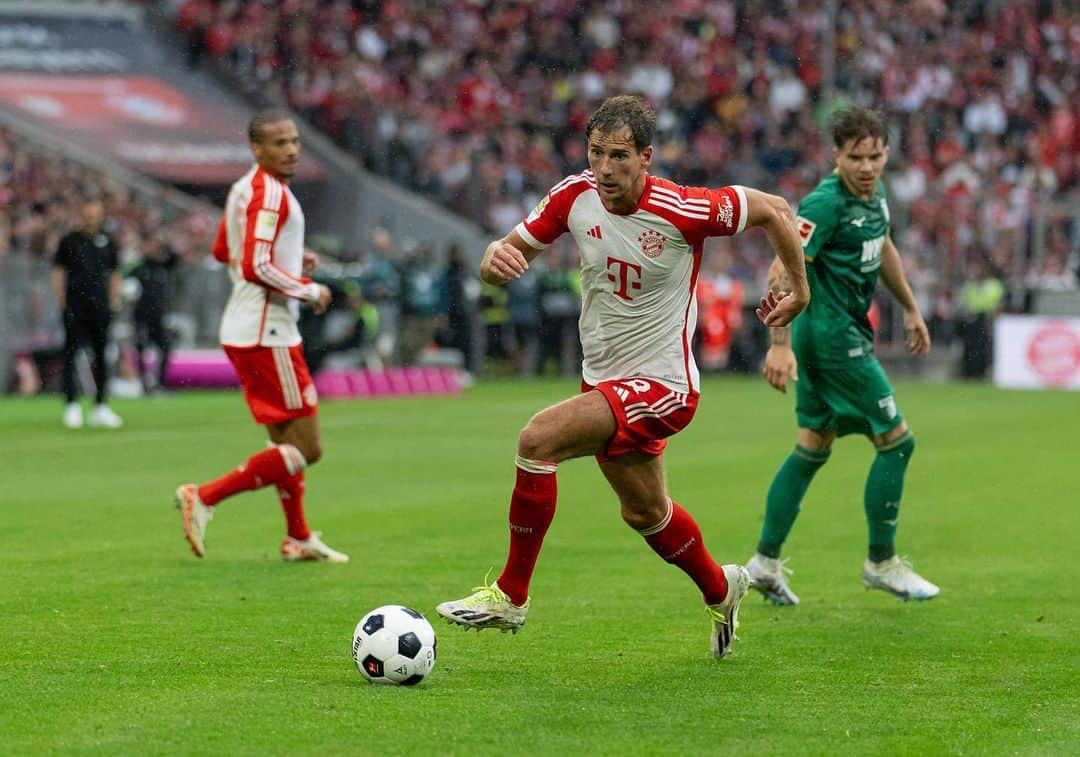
276, 381
646, 414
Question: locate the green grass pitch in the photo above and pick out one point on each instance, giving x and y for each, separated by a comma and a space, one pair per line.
114, 639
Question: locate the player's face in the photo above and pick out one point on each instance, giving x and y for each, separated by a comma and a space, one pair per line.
860, 164
278, 152
619, 168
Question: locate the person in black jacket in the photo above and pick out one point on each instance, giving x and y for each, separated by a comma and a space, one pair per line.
86, 285
154, 273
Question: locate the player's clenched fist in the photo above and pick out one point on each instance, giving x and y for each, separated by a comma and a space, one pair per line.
502, 262
320, 305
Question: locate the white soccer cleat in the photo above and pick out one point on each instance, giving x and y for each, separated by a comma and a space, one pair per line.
195, 515
312, 548
73, 416
486, 607
897, 577
725, 616
102, 416
769, 576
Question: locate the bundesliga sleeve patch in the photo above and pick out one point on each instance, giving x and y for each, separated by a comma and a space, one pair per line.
266, 225
806, 229
538, 209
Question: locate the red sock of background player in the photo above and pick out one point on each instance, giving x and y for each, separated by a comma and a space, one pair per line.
291, 494
677, 539
264, 468
532, 507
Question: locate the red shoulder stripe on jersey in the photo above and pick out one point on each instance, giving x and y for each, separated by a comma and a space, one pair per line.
258, 264
675, 197
686, 207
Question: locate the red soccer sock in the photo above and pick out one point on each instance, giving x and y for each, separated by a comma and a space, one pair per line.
532, 508
261, 469
677, 539
291, 493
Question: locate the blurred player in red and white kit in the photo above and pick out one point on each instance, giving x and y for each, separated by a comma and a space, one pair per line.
261, 237
640, 239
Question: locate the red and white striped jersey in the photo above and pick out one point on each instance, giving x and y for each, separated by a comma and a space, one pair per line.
264, 235
638, 271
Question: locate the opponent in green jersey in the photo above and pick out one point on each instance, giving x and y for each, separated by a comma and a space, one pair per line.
841, 387
843, 238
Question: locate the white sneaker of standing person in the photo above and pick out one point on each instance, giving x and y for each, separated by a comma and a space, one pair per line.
73, 416
102, 416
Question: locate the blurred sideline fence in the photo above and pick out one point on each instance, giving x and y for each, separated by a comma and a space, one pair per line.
30, 323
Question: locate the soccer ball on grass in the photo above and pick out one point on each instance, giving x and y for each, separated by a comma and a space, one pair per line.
394, 644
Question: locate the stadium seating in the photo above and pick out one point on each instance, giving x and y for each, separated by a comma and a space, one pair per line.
481, 104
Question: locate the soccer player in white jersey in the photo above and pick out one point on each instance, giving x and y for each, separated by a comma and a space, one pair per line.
640, 239
261, 237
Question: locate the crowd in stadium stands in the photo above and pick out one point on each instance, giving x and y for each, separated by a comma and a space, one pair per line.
481, 103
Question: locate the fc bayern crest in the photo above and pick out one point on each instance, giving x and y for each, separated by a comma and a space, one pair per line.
652, 243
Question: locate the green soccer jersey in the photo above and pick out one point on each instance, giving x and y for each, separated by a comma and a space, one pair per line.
843, 238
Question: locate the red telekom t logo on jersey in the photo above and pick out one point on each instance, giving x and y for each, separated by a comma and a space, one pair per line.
624, 277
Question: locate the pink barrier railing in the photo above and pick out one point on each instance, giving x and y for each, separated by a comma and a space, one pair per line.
210, 369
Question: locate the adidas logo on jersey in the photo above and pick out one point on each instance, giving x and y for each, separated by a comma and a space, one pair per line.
594, 232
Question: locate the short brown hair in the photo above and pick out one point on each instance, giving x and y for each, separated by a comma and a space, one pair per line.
858, 123
624, 110
264, 118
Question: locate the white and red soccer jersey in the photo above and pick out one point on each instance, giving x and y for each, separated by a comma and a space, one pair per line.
264, 234
638, 271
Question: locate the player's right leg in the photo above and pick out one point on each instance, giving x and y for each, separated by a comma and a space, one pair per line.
883, 568
573, 428
768, 575
196, 502
277, 401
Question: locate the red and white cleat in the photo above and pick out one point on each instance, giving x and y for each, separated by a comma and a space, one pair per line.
312, 548
195, 515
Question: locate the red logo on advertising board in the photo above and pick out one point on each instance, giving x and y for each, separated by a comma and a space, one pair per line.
1054, 352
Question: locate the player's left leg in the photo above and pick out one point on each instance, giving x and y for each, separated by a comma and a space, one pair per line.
102, 415
301, 543
883, 569
783, 502
867, 401
671, 532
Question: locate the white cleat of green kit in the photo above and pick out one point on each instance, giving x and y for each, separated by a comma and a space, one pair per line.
768, 575
897, 577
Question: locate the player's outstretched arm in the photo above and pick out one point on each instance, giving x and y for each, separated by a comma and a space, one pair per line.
506, 258
780, 362
917, 336
773, 214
